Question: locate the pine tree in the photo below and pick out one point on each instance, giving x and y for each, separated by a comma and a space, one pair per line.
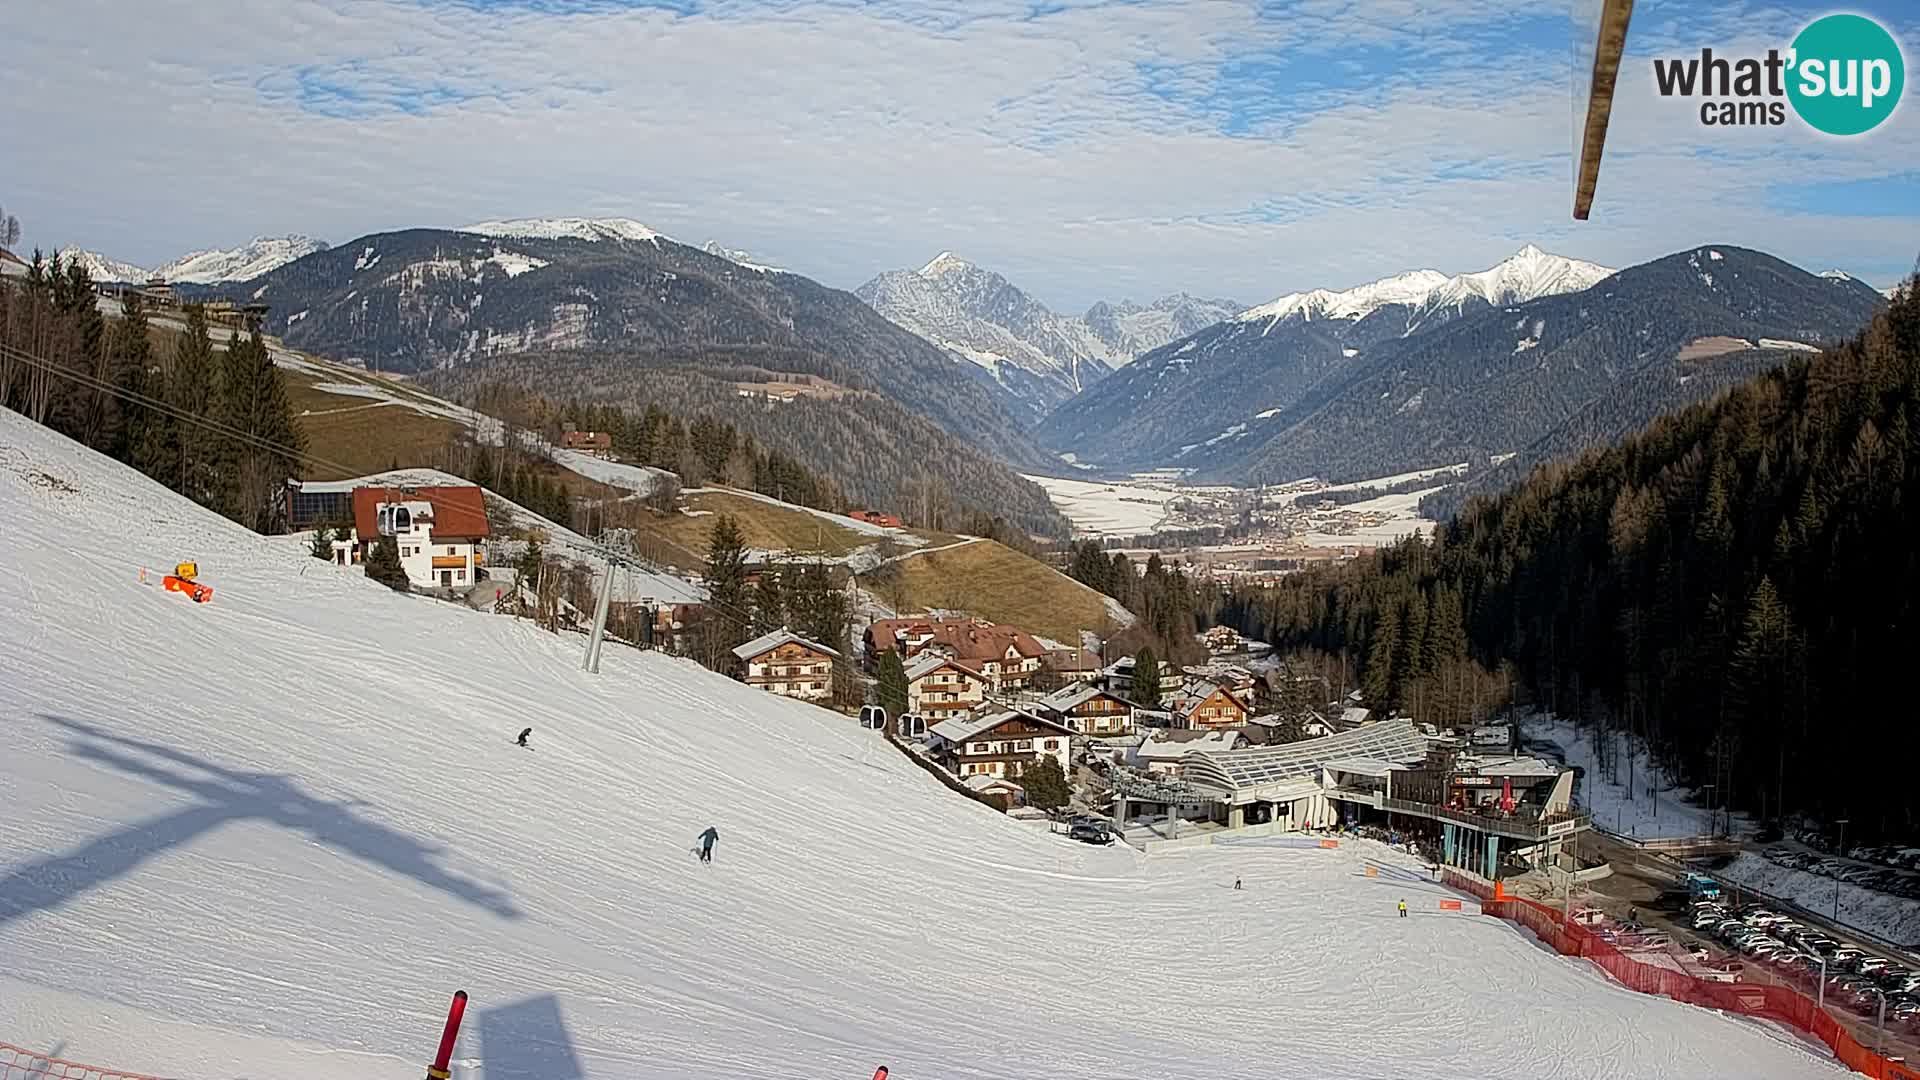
891, 689
132, 359
1046, 784
383, 565
727, 587
817, 610
253, 402
190, 383
1377, 680
321, 547
768, 601
1146, 678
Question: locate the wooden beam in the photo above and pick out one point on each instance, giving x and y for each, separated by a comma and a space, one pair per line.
1612, 41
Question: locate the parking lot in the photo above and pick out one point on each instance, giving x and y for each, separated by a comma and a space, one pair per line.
1889, 869
1646, 912
1775, 945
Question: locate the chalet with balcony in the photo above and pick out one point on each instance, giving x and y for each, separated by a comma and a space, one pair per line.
1089, 710
1207, 706
787, 664
1003, 745
939, 687
1009, 658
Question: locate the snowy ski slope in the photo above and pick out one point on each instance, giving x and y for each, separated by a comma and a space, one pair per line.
269, 835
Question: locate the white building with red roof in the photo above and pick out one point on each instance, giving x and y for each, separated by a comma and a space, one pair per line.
441, 531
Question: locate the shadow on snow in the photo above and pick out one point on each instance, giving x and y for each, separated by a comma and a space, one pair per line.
526, 1040
225, 795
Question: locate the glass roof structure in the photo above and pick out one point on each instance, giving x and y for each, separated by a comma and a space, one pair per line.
1243, 771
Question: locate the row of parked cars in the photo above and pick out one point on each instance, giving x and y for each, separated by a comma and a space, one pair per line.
1855, 979
1885, 877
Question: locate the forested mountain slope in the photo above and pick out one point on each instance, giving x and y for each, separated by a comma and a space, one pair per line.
877, 452
1738, 583
1505, 381
422, 299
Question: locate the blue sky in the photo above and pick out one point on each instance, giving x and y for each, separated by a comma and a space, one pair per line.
1089, 150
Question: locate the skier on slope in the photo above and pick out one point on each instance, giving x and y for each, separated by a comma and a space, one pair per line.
522, 740
707, 840
1403, 907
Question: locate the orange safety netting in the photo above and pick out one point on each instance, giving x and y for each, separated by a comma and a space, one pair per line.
1781, 1004
19, 1063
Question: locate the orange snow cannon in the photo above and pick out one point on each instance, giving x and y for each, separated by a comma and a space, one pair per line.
182, 581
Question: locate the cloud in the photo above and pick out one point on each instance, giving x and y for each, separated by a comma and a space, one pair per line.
1088, 150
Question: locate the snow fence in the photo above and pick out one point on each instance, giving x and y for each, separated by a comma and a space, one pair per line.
1780, 1004
19, 1063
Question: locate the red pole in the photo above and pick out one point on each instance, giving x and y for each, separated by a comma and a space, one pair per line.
881, 1073
454, 1012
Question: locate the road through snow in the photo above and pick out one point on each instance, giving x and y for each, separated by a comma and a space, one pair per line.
269, 835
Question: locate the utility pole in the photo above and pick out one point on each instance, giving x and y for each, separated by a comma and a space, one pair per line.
591, 662
1836, 881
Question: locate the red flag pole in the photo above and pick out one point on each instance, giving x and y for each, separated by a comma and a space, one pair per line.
447, 1037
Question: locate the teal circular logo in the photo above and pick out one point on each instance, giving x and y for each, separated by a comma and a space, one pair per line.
1847, 74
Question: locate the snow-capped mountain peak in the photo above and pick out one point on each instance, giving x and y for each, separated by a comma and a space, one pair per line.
945, 263
1410, 288
101, 268
1031, 356
738, 257
1836, 275
1528, 274
244, 263
567, 228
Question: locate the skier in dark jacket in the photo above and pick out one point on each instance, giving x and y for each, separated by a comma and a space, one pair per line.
522, 740
707, 840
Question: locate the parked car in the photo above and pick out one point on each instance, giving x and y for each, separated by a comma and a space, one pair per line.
1090, 832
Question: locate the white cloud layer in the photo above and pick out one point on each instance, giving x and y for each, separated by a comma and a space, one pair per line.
1093, 151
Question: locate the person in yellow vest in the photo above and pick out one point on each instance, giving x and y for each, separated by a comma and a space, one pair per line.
1403, 907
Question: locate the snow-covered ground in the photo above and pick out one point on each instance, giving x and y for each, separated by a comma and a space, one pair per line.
1097, 509
639, 479
268, 836
1380, 481
1895, 918
1405, 520
1613, 808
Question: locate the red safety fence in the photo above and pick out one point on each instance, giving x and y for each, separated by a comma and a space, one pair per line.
19, 1063
1781, 1004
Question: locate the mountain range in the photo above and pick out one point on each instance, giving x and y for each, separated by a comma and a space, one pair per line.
1033, 358
655, 319
244, 263
963, 373
1209, 387
1391, 378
